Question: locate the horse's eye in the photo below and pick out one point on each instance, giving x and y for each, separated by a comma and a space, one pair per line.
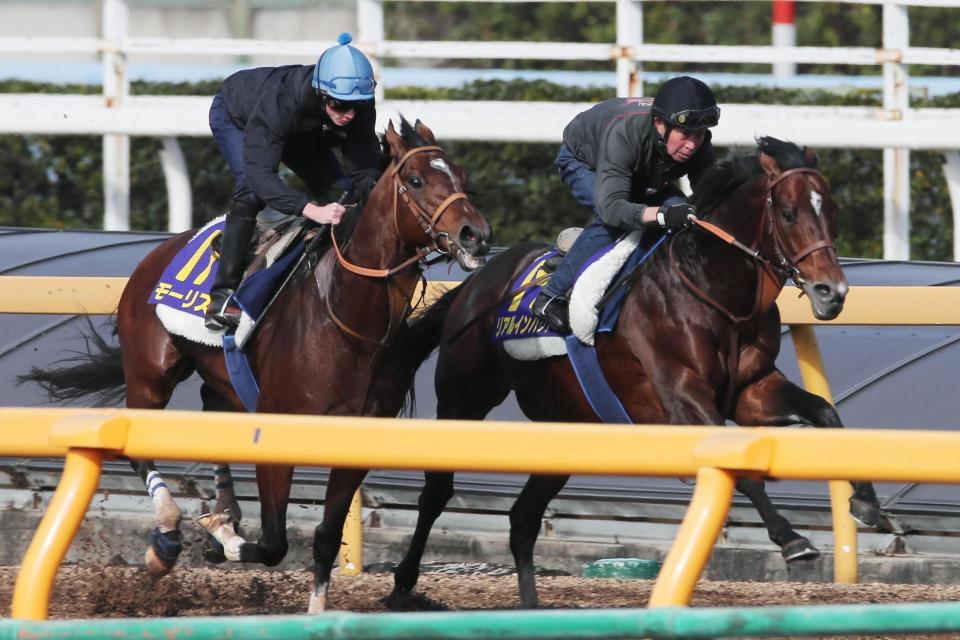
788, 214
415, 181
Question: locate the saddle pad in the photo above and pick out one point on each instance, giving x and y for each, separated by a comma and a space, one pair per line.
526, 337
183, 292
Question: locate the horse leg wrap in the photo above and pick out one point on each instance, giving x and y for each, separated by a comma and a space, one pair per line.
220, 526
166, 545
318, 599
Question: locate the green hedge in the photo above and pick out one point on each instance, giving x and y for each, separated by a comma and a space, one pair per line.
56, 181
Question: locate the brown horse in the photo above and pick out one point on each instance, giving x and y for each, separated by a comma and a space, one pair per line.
333, 343
696, 341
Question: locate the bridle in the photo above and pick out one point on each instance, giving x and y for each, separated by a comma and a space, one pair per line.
427, 222
772, 273
399, 299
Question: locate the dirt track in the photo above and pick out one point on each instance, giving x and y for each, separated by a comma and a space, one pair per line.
111, 591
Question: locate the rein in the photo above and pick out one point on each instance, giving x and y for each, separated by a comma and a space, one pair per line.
427, 224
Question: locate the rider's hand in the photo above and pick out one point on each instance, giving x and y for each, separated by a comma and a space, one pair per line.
676, 216
327, 214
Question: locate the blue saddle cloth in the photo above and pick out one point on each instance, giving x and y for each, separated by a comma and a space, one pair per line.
185, 283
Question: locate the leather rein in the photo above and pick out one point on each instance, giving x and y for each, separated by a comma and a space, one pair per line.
427, 223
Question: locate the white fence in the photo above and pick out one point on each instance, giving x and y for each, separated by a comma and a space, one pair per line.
895, 126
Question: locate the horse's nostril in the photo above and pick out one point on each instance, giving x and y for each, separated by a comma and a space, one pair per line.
824, 292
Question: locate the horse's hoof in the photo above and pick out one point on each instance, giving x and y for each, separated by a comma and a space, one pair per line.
799, 549
870, 515
162, 551
405, 600
212, 521
155, 566
213, 550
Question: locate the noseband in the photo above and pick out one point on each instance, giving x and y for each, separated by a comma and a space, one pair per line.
427, 222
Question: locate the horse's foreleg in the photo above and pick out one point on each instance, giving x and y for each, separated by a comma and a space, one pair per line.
437, 491
328, 535
526, 517
775, 401
165, 538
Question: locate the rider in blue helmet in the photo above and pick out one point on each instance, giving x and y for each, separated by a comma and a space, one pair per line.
620, 159
295, 115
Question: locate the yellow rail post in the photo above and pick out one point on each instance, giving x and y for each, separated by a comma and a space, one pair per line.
351, 549
89, 433
845, 568
722, 456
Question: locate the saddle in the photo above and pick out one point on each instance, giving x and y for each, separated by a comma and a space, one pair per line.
526, 337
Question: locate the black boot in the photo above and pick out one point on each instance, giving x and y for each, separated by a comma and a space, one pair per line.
553, 310
233, 258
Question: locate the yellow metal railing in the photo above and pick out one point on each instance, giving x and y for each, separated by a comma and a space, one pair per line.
714, 455
865, 306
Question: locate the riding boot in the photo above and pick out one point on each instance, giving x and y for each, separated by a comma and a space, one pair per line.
553, 310
234, 244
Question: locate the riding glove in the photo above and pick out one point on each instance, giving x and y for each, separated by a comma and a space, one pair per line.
676, 216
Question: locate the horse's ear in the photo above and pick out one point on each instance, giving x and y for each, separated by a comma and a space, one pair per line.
769, 165
809, 158
397, 146
425, 132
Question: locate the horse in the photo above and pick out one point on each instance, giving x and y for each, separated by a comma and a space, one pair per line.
333, 343
696, 341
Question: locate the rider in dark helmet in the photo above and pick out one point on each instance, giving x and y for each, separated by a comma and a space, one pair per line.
296, 115
620, 159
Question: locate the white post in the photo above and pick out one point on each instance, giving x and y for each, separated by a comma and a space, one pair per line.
116, 148
951, 171
370, 33
784, 34
896, 162
629, 41
177, 177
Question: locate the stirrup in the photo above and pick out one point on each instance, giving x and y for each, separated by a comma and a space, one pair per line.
221, 312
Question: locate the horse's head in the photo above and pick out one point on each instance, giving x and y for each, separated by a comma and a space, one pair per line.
802, 220
431, 210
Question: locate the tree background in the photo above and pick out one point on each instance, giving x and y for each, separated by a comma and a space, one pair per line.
56, 181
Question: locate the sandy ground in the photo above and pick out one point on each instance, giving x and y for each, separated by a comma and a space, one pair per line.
122, 591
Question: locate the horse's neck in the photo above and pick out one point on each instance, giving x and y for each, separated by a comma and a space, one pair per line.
722, 272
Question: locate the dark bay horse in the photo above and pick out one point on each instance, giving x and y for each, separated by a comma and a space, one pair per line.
696, 342
333, 343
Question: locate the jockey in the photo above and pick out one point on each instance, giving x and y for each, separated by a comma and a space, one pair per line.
293, 114
619, 158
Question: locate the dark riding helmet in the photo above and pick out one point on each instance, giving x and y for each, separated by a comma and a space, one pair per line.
686, 103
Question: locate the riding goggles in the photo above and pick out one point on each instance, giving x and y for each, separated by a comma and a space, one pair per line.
346, 85
340, 106
697, 118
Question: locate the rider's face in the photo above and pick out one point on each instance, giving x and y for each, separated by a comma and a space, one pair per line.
340, 118
681, 144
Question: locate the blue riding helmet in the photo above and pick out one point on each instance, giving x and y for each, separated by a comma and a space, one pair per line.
344, 73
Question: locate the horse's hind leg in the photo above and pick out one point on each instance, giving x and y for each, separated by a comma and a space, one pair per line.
437, 491
328, 536
526, 517
152, 369
793, 546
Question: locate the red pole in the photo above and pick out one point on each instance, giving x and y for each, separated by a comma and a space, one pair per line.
784, 34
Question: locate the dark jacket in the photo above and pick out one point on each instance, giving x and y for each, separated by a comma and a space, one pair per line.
616, 138
276, 105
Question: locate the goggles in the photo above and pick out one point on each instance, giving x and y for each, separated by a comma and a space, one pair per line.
346, 85
697, 118
340, 106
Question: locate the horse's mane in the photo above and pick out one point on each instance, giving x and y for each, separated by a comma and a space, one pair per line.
727, 175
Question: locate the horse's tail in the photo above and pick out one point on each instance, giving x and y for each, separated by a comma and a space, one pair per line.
423, 336
95, 373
